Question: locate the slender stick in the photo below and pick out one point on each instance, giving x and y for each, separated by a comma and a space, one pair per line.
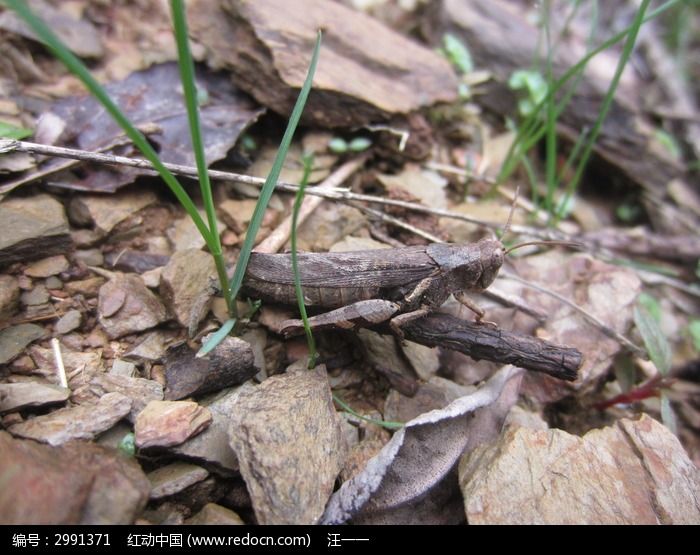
11, 145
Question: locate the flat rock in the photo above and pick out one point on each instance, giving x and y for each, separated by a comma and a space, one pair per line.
104, 212
32, 228
424, 360
18, 396
232, 362
140, 390
330, 224
9, 296
183, 234
126, 306
367, 72
426, 185
186, 286
173, 478
76, 483
166, 423
80, 422
51, 266
123, 368
36, 296
52, 282
151, 349
383, 353
89, 257
89, 287
77, 33
288, 440
634, 472
212, 445
13, 340
81, 367
69, 322
212, 513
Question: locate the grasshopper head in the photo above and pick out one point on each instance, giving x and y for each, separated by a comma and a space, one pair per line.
492, 255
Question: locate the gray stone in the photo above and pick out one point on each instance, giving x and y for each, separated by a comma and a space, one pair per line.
70, 321
288, 440
80, 422
140, 390
330, 224
186, 286
14, 339
173, 478
18, 396
90, 257
106, 211
123, 368
426, 185
38, 295
183, 234
126, 306
52, 282
32, 228
151, 349
77, 483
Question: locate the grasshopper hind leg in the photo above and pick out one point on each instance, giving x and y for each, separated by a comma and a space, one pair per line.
402, 319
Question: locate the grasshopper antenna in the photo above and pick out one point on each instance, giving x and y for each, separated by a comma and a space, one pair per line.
506, 228
560, 243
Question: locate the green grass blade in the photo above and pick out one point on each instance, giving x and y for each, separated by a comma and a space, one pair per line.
654, 340
308, 165
383, 423
216, 338
607, 103
528, 134
272, 178
59, 50
187, 76
550, 116
668, 417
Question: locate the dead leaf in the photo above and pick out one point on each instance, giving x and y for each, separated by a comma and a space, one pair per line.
152, 96
412, 479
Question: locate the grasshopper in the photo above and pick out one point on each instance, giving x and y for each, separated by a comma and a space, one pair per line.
399, 285
412, 280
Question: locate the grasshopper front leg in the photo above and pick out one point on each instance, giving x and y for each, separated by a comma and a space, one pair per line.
467, 301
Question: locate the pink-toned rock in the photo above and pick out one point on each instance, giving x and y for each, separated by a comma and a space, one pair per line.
76, 483
167, 423
635, 472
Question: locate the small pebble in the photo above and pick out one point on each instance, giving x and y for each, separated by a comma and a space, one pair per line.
70, 321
